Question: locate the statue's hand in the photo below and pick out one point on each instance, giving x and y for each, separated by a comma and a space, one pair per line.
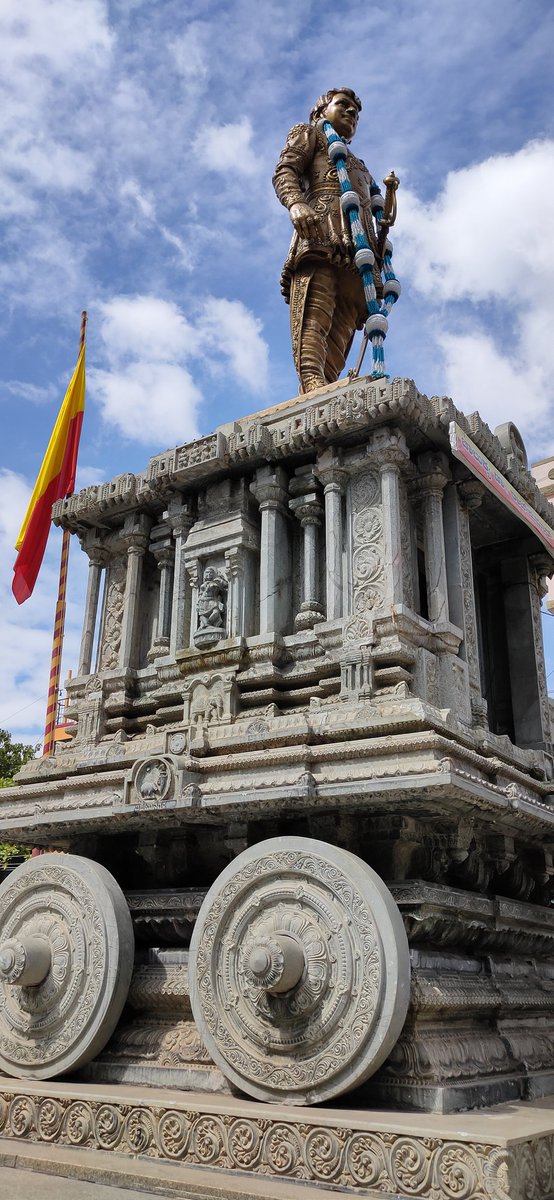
304, 220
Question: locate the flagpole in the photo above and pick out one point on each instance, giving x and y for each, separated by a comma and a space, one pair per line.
59, 622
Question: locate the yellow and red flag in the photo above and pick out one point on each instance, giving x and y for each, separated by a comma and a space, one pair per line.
56, 479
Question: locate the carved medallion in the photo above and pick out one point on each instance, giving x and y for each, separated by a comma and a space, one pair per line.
177, 743
66, 958
299, 971
153, 779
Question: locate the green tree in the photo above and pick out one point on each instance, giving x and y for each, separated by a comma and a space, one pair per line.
12, 756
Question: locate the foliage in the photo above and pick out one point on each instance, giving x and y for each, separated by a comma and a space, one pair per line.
12, 756
11, 855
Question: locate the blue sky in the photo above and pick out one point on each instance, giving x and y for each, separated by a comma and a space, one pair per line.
138, 143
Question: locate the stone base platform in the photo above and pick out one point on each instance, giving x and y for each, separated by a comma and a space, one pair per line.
197, 1145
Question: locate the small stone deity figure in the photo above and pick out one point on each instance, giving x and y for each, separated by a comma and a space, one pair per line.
211, 605
319, 279
154, 780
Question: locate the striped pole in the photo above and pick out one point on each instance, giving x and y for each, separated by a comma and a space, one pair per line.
59, 624
57, 647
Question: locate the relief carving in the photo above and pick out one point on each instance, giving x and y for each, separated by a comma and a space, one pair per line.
367, 555
210, 699
211, 608
115, 595
386, 1164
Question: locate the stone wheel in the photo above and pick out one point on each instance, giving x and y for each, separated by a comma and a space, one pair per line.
66, 958
299, 971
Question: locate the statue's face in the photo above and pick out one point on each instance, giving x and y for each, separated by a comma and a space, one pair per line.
343, 114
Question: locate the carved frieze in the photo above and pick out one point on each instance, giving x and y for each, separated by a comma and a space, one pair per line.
349, 1156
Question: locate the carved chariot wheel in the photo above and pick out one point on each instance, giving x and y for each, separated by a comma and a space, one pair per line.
299, 971
66, 959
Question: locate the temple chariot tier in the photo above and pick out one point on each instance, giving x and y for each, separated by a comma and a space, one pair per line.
306, 815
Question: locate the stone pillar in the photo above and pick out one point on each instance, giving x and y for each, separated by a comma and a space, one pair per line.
181, 521
235, 563
333, 480
136, 541
270, 490
309, 512
523, 588
459, 500
433, 477
97, 561
388, 450
164, 555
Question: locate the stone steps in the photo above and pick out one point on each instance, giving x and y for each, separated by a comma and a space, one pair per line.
197, 1145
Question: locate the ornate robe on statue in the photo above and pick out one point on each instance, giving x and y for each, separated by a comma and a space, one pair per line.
319, 279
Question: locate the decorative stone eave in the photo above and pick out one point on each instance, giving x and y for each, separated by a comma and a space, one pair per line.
421, 771
288, 430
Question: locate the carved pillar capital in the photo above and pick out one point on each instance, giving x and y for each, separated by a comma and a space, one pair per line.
270, 488
543, 566
164, 555
235, 559
307, 510
192, 569
330, 472
181, 523
135, 543
471, 494
387, 448
433, 474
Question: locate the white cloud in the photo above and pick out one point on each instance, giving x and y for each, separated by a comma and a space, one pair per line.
54, 34
145, 325
15, 495
150, 402
46, 50
500, 388
147, 210
490, 234
190, 52
145, 204
46, 271
226, 148
148, 391
227, 327
88, 476
30, 391
482, 258
148, 394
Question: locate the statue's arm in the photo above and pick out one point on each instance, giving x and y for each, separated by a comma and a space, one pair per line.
294, 163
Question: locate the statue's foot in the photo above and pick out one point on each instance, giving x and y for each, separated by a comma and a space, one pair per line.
311, 381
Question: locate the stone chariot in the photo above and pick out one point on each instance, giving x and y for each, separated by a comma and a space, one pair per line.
301, 840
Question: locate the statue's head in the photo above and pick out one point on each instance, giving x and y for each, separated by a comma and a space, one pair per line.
340, 106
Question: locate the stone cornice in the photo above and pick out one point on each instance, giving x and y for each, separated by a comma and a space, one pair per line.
288, 430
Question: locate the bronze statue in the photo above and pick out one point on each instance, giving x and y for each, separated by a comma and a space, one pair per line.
319, 279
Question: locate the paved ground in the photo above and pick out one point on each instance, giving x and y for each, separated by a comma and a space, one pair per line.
25, 1185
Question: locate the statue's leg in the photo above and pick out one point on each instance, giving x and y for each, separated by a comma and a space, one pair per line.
312, 305
350, 312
